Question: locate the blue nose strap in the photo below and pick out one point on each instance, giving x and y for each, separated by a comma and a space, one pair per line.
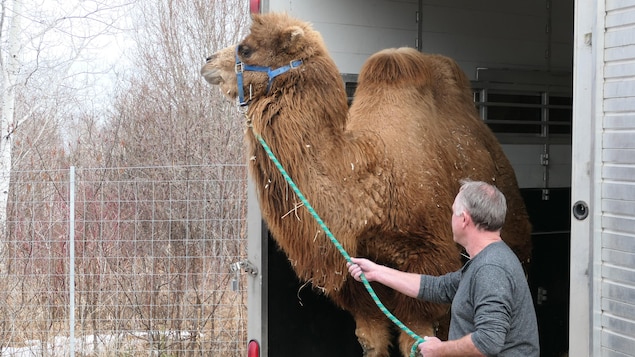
272, 73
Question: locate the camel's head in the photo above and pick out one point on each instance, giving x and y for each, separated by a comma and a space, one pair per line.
276, 45
219, 69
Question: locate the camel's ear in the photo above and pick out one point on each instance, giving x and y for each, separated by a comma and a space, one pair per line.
256, 18
295, 32
290, 38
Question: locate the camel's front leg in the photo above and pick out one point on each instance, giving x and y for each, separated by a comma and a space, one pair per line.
374, 335
422, 318
373, 329
423, 328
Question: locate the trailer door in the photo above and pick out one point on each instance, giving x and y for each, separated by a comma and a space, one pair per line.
602, 317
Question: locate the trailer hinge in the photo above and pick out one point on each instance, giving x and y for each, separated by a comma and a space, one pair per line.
246, 266
541, 296
544, 161
545, 194
243, 265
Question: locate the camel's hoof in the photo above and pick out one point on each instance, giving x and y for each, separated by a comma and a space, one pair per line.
369, 351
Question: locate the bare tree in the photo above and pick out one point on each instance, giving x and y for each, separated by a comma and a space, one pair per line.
48, 71
10, 66
161, 176
46, 78
167, 114
167, 132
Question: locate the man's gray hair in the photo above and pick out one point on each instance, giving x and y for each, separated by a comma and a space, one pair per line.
485, 203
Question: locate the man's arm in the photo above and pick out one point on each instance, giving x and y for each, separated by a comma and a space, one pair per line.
404, 282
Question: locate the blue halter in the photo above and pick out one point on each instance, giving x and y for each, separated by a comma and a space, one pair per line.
272, 73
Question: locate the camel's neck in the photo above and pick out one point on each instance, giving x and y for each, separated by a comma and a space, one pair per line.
301, 145
305, 109
304, 114
303, 123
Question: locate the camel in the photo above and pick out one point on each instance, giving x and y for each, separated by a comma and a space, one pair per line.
381, 174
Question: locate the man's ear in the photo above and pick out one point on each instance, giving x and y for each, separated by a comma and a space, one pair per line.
466, 218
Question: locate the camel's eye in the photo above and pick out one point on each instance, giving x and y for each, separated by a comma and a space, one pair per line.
244, 51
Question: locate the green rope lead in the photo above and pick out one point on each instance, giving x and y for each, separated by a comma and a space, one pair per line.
339, 247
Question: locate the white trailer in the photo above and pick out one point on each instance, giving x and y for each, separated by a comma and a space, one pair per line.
555, 80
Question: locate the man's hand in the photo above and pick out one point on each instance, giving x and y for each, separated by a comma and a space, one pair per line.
463, 347
405, 283
430, 347
359, 266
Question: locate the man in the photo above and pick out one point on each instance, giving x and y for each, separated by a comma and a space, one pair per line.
492, 308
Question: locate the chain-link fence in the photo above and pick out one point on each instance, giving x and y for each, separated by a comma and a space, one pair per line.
124, 262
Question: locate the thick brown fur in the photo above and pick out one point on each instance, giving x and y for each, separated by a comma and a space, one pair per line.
382, 175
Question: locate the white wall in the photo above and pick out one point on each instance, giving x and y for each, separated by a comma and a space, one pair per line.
489, 33
355, 29
500, 34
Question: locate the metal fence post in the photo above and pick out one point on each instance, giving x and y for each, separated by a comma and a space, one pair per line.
71, 268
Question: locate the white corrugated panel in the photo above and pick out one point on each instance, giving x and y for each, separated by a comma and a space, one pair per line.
617, 297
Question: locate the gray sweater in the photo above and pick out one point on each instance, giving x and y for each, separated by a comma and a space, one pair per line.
490, 299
